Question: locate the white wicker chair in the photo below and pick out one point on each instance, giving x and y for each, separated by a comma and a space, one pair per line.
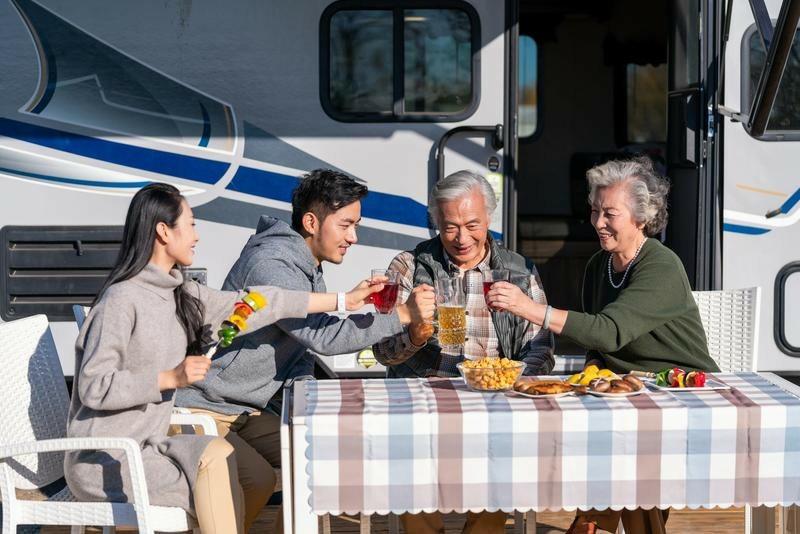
34, 418
730, 319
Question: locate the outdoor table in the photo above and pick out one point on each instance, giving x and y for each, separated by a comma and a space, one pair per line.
412, 445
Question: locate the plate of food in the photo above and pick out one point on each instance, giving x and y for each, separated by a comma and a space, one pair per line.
624, 386
606, 383
676, 379
544, 388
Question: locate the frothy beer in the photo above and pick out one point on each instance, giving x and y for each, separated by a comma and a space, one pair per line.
452, 325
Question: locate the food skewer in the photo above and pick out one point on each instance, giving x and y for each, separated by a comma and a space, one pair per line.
237, 322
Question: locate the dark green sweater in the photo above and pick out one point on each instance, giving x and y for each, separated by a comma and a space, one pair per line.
650, 323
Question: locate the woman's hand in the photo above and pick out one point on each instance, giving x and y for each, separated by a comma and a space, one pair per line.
419, 307
505, 296
361, 295
192, 369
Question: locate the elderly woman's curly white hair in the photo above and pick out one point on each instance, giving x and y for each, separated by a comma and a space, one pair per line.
647, 190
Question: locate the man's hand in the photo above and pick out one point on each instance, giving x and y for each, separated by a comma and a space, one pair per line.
419, 307
421, 304
420, 333
192, 369
361, 295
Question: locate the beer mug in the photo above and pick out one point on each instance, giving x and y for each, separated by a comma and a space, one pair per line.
451, 311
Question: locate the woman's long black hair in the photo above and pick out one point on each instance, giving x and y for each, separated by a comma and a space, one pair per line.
151, 205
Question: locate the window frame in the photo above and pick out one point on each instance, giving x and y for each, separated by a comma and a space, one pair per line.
779, 319
744, 88
398, 113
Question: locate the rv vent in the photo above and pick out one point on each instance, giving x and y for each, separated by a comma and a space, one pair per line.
48, 269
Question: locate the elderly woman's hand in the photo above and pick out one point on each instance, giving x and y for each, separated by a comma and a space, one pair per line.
504, 296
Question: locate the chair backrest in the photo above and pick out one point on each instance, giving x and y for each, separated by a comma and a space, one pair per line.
80, 313
730, 318
35, 401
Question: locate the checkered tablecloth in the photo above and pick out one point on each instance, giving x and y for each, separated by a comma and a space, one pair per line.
379, 446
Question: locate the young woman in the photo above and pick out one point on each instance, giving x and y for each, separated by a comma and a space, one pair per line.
144, 338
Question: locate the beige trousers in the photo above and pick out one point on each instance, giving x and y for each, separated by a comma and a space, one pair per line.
218, 497
256, 442
477, 523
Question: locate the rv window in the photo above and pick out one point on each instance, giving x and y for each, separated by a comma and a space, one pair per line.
528, 90
785, 114
438, 60
646, 93
390, 63
361, 61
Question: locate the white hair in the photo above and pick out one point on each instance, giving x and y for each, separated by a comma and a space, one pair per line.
647, 190
458, 185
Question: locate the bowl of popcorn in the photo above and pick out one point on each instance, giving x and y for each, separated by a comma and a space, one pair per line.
490, 374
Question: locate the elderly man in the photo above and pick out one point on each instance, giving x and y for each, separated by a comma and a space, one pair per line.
461, 206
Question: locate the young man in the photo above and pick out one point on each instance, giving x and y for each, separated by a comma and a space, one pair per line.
326, 211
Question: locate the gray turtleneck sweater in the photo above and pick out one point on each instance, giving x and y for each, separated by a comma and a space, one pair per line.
130, 336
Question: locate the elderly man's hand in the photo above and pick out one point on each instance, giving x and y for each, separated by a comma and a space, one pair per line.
420, 333
505, 296
419, 307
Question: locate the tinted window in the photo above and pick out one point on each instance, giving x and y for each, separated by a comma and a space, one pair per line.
785, 113
528, 89
684, 44
361, 61
438, 60
646, 94
398, 63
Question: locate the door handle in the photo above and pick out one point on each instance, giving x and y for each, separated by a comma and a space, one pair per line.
497, 141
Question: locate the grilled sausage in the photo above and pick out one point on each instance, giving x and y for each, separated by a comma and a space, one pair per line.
600, 385
621, 386
634, 381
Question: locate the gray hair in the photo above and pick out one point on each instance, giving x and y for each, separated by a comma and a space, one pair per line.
647, 190
457, 185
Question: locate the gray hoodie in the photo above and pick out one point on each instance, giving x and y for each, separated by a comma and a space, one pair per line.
244, 377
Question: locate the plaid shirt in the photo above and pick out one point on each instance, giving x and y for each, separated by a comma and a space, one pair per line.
481, 335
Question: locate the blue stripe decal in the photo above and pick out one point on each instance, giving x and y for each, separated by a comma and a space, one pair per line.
264, 184
146, 159
75, 181
787, 206
739, 229
380, 206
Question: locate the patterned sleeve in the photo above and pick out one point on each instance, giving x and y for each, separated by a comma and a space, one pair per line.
398, 348
538, 343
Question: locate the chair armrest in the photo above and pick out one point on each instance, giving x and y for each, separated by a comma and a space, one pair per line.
127, 445
206, 422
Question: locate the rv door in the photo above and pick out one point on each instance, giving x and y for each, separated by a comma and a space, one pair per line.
762, 188
693, 231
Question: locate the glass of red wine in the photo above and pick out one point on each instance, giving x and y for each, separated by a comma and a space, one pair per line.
491, 276
385, 299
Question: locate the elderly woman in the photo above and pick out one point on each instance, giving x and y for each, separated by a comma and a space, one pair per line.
638, 309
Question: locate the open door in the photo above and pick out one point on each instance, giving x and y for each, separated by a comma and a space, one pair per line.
693, 231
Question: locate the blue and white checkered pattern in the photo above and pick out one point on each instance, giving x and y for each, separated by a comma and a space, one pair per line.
379, 446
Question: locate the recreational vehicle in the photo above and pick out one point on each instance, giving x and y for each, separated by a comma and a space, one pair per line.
232, 101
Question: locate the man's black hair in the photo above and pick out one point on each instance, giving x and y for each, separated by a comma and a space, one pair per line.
322, 192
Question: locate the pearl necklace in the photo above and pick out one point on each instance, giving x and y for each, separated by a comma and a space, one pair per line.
628, 268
